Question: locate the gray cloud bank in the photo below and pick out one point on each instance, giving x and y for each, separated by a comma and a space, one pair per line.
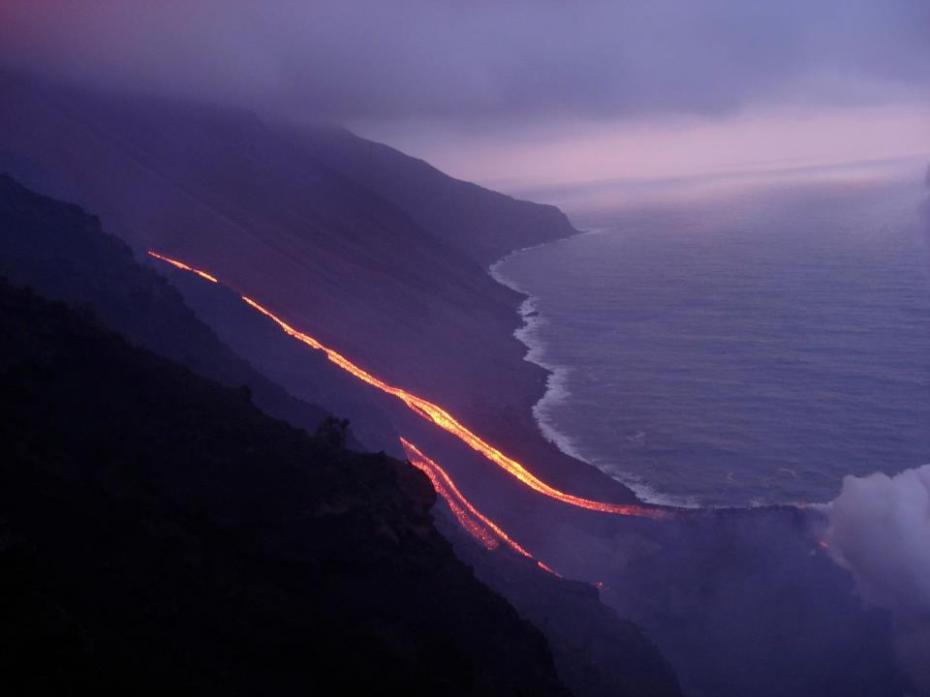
482, 60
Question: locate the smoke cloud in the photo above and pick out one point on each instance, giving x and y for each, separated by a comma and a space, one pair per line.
880, 531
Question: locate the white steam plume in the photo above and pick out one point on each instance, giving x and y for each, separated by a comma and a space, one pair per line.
880, 531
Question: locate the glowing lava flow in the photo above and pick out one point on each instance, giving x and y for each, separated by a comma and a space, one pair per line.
439, 416
184, 267
478, 525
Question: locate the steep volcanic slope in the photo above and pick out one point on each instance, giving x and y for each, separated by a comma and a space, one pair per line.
254, 204
484, 224
160, 535
61, 252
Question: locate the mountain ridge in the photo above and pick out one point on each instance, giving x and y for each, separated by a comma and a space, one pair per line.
484, 224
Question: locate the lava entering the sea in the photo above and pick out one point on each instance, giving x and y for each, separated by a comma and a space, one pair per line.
438, 416
478, 525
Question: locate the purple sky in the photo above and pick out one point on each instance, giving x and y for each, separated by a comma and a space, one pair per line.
525, 93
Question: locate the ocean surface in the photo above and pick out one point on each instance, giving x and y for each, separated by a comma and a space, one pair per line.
739, 348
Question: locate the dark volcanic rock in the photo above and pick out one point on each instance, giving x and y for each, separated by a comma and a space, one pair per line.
158, 535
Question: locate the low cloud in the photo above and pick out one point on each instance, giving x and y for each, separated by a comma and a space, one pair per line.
482, 60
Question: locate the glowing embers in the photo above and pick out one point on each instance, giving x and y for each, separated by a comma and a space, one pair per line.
475, 523
440, 417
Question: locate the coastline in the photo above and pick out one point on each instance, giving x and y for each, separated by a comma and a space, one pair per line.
907, 209
556, 375
556, 386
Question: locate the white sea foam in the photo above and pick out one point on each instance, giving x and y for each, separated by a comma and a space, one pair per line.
557, 381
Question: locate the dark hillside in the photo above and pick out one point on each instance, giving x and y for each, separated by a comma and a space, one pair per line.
483, 224
61, 252
596, 652
158, 534
253, 203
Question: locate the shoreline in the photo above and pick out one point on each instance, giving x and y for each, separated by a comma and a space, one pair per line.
556, 390
556, 376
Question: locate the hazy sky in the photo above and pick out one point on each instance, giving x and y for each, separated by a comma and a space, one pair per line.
526, 92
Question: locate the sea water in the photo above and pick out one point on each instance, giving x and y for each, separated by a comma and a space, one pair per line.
739, 348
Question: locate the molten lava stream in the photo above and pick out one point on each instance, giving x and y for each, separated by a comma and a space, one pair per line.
184, 267
439, 416
475, 523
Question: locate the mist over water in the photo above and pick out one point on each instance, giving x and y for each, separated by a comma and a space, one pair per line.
750, 347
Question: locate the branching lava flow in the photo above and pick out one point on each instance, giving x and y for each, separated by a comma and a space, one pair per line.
479, 526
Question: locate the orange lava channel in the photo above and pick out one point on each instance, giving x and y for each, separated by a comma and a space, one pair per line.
184, 267
439, 416
478, 525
